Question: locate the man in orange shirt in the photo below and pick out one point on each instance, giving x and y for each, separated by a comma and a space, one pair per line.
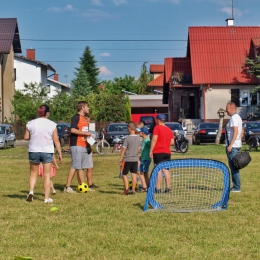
79, 147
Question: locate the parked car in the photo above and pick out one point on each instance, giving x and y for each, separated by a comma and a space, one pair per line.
7, 136
63, 133
251, 128
149, 122
176, 126
206, 133
116, 131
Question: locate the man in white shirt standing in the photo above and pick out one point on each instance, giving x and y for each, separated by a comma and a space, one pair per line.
234, 132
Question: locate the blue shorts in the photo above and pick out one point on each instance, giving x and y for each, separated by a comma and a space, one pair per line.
37, 157
144, 166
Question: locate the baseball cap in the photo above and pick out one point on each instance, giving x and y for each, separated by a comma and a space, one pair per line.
161, 117
144, 130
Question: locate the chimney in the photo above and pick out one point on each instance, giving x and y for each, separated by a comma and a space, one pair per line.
30, 54
56, 77
230, 21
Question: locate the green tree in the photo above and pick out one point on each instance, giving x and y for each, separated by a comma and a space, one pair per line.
62, 107
254, 69
110, 107
128, 83
81, 84
88, 62
26, 102
127, 109
144, 79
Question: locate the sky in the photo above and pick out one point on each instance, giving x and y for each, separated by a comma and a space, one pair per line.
122, 34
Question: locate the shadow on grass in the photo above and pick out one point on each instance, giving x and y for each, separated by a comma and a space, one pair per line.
21, 197
109, 192
139, 205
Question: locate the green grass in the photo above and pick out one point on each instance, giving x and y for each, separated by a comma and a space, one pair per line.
106, 225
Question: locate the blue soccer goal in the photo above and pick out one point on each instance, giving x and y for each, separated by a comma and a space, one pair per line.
196, 185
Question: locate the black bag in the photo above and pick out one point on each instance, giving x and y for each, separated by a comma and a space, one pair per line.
241, 160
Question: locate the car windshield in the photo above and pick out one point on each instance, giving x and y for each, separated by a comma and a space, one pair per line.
207, 126
2, 130
253, 125
147, 120
174, 126
118, 127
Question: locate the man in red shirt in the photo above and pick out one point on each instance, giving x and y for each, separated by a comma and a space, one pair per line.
160, 150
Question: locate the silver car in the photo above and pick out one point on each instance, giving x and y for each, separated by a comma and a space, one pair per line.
174, 126
7, 136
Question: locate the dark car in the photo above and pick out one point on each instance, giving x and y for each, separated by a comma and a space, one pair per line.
116, 131
251, 128
63, 133
7, 136
174, 126
149, 122
207, 133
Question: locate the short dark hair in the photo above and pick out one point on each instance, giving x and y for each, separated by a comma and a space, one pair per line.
81, 104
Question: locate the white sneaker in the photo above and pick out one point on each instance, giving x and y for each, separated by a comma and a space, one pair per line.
53, 191
49, 200
90, 189
68, 190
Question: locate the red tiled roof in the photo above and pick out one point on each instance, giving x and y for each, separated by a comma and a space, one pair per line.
156, 68
177, 65
158, 82
256, 42
9, 35
218, 53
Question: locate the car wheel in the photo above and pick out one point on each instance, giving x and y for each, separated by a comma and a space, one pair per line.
62, 142
5, 145
197, 142
14, 144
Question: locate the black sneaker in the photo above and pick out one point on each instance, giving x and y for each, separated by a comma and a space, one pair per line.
93, 186
158, 191
167, 190
29, 197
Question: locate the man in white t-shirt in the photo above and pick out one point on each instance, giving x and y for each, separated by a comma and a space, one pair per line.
234, 132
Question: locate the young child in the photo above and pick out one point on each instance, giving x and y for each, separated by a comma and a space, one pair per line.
129, 158
53, 172
145, 158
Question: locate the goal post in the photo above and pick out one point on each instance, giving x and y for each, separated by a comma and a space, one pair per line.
195, 185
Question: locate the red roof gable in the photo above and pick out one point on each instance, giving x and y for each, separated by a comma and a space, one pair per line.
218, 53
182, 65
158, 82
156, 68
9, 35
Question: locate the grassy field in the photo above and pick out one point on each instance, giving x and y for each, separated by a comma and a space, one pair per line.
106, 225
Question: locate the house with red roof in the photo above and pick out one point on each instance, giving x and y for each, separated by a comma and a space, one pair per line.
9, 45
213, 73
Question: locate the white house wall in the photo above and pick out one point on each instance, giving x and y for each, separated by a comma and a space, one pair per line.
218, 96
28, 72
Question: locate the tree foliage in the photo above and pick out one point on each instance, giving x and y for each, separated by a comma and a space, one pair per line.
144, 79
81, 84
88, 63
128, 83
109, 107
27, 101
254, 69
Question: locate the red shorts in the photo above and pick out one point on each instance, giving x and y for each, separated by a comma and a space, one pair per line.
53, 171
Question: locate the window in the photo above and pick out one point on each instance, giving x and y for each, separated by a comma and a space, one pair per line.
48, 88
245, 98
14, 74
